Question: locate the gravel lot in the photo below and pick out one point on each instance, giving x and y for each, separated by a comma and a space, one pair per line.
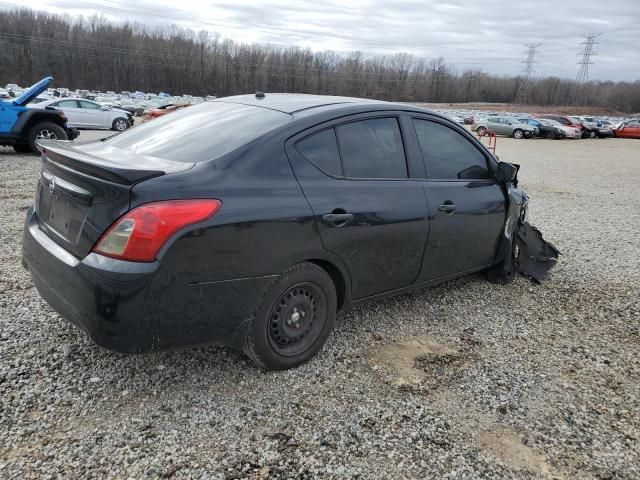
464, 380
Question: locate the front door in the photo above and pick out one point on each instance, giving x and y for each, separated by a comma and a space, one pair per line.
466, 205
367, 209
93, 115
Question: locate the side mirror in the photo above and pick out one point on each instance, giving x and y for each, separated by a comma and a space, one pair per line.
507, 173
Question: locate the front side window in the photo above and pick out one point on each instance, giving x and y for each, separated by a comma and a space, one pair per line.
372, 149
448, 155
91, 105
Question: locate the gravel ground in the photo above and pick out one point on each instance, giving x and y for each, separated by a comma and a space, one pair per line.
464, 380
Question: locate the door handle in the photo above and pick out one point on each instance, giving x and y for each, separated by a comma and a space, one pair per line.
447, 207
337, 219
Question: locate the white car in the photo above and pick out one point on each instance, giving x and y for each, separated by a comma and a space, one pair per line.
83, 113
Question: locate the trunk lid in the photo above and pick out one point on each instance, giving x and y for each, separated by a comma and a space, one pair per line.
83, 189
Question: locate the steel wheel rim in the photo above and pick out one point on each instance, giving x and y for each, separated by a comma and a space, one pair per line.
45, 134
518, 134
297, 318
121, 125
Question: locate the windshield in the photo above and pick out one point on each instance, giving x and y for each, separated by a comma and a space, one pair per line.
199, 133
551, 123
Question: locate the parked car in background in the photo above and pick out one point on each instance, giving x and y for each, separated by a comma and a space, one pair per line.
504, 126
570, 132
83, 113
545, 130
22, 126
591, 129
137, 109
164, 245
152, 113
629, 129
568, 122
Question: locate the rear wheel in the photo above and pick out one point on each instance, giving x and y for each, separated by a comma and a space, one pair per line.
120, 124
481, 131
518, 133
293, 319
550, 135
45, 131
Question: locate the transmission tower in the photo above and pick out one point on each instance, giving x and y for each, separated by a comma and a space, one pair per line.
582, 78
522, 94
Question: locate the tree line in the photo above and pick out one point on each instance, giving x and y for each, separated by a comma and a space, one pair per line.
93, 53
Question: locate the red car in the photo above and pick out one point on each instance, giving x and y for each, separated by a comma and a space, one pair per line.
630, 129
163, 110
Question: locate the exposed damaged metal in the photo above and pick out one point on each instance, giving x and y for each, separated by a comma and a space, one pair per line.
522, 248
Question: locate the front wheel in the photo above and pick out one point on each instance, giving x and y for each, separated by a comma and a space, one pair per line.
293, 319
120, 124
45, 131
517, 133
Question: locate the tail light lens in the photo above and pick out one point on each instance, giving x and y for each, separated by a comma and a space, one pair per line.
139, 234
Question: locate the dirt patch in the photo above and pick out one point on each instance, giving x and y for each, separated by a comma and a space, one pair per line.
412, 360
509, 449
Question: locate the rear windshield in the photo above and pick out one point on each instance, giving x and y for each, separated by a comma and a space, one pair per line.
199, 133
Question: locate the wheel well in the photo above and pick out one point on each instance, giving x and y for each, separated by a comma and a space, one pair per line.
39, 117
337, 278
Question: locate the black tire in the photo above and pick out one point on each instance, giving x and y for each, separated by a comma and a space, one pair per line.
120, 124
22, 148
305, 295
45, 131
480, 131
550, 135
518, 133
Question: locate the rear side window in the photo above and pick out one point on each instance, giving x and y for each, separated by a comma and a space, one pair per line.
372, 149
199, 133
67, 104
447, 154
322, 150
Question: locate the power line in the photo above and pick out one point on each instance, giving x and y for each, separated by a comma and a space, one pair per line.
522, 94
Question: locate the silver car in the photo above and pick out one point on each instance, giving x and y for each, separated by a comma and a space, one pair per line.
504, 126
83, 113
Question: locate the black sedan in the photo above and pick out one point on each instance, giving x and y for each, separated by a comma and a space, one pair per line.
250, 220
545, 129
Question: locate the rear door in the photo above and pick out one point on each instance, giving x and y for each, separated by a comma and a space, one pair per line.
467, 206
496, 124
72, 111
355, 176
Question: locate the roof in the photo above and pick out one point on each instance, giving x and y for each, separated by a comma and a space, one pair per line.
294, 102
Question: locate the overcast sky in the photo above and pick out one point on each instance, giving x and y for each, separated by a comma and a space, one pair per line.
489, 34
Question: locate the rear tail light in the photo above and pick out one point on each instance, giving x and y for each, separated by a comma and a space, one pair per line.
139, 234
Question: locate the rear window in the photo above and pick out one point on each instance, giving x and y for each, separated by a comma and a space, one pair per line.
199, 133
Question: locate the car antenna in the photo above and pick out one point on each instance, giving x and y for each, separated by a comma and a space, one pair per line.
260, 94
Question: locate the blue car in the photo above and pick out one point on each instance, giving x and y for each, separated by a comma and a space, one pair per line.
22, 127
